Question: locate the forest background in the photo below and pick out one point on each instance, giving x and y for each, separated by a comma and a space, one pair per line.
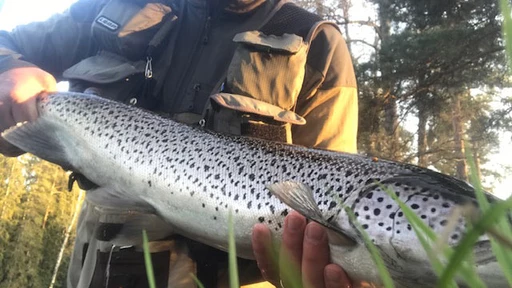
432, 78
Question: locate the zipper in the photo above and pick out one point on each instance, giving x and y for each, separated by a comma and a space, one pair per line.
198, 49
147, 91
207, 28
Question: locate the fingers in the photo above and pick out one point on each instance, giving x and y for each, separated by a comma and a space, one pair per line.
303, 256
315, 255
19, 88
335, 277
290, 256
264, 253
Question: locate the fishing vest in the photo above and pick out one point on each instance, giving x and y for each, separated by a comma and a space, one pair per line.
255, 97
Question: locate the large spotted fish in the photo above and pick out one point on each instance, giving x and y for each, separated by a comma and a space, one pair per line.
191, 178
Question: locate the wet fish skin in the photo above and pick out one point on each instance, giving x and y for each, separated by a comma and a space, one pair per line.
192, 178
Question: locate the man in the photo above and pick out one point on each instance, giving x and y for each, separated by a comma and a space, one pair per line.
174, 57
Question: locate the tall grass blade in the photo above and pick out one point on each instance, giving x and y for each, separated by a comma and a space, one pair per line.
507, 28
233, 266
377, 258
466, 244
198, 283
503, 255
147, 260
427, 237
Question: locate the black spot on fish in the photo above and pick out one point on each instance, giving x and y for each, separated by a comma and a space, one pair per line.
376, 211
365, 226
261, 219
332, 205
285, 212
415, 206
149, 183
349, 188
249, 205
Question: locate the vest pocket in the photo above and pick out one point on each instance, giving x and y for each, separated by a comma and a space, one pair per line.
268, 68
108, 75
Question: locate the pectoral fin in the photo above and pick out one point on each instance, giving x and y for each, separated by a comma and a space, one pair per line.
300, 198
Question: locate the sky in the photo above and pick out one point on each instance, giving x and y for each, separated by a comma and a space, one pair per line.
16, 12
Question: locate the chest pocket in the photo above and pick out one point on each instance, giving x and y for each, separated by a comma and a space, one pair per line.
263, 82
268, 68
128, 34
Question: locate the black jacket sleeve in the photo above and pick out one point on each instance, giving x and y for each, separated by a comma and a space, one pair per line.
54, 44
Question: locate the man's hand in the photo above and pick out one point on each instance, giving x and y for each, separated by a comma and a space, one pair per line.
18, 90
305, 245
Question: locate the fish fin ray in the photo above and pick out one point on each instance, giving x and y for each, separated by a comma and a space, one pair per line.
36, 138
300, 198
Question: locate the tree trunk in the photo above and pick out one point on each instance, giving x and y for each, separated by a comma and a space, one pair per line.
320, 8
458, 130
390, 101
50, 202
345, 7
66, 238
476, 159
422, 133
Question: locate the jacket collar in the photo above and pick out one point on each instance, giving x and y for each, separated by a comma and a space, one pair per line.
230, 6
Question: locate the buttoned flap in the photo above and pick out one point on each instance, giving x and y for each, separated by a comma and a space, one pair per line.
104, 68
254, 106
288, 43
268, 68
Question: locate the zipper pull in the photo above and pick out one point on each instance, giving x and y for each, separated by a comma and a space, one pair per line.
207, 27
148, 72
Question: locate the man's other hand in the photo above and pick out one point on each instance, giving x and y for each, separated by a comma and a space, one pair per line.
305, 247
18, 90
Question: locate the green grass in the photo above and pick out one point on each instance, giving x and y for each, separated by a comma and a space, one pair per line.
233, 268
147, 260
